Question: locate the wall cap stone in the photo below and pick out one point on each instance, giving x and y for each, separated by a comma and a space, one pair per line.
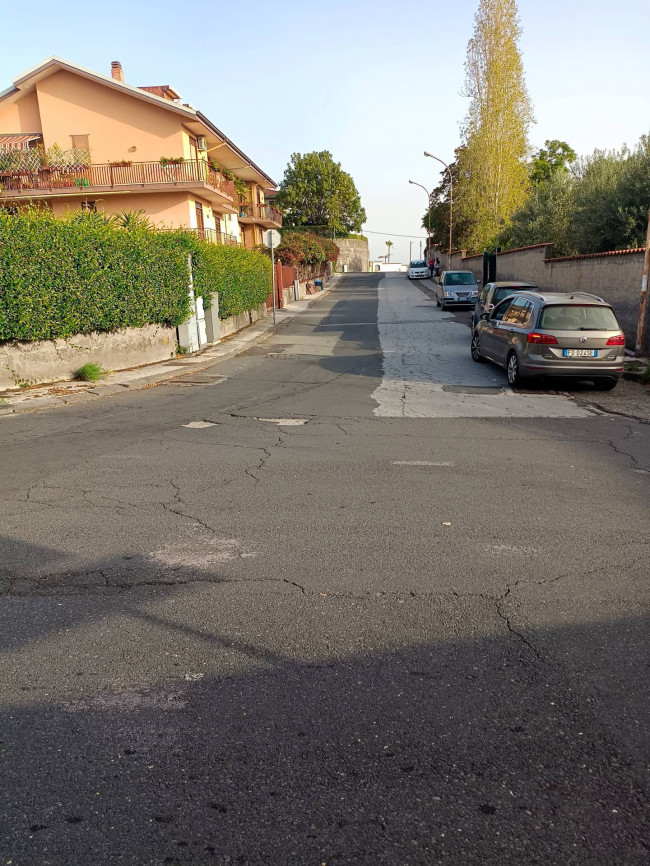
637, 250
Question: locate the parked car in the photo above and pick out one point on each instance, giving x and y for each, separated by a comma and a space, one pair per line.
533, 334
492, 293
455, 288
418, 270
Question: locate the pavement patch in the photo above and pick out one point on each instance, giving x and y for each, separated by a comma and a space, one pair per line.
285, 422
199, 425
423, 463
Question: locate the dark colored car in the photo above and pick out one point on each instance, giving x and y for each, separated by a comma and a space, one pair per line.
494, 293
533, 334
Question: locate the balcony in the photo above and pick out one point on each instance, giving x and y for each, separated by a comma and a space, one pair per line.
214, 236
264, 214
110, 178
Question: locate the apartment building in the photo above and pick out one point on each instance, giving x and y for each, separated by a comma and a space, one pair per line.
74, 139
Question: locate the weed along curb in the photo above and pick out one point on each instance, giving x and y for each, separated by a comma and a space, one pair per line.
30, 399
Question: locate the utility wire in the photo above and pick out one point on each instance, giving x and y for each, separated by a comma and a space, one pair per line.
393, 235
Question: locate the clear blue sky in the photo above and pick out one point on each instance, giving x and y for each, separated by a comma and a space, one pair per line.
375, 82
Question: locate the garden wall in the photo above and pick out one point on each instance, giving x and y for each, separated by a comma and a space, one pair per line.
23, 362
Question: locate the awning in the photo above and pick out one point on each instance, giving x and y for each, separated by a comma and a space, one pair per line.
18, 140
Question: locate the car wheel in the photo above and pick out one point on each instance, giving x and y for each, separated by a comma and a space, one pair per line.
476, 348
606, 384
514, 376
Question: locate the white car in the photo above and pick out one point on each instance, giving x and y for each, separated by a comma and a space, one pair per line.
418, 270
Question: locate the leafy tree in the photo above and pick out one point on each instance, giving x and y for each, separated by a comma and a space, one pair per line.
555, 156
440, 206
612, 199
493, 177
547, 216
315, 191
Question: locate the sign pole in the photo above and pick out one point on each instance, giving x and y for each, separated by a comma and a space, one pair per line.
273, 267
272, 239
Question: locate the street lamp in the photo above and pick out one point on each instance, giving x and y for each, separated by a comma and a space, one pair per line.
451, 197
428, 209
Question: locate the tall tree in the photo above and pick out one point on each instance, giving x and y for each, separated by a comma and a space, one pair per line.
493, 181
315, 191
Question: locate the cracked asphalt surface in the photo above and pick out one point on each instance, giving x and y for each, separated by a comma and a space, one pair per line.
360, 639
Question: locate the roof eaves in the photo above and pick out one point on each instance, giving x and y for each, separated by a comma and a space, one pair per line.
231, 144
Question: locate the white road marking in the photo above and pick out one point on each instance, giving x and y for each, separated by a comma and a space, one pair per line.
200, 554
422, 463
199, 425
511, 548
425, 349
285, 422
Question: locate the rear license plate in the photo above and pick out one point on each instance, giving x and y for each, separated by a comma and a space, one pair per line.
580, 353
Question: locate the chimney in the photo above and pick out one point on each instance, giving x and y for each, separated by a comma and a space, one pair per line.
116, 70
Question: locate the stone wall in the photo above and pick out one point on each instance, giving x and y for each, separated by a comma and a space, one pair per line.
354, 254
56, 360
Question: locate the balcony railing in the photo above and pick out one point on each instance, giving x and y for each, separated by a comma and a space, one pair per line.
110, 176
261, 213
214, 236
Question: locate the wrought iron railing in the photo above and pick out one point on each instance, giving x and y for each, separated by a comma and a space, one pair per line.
263, 213
111, 175
215, 236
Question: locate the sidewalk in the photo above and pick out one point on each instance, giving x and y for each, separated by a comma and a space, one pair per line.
19, 401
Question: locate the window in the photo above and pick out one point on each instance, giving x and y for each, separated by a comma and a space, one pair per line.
459, 278
80, 142
499, 312
573, 317
518, 312
89, 205
484, 293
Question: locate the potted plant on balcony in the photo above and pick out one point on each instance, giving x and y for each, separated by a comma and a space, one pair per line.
172, 160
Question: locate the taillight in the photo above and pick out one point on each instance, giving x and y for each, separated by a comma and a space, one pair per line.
545, 339
618, 340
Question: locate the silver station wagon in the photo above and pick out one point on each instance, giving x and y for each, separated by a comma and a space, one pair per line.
535, 334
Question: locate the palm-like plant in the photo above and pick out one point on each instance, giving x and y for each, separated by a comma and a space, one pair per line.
389, 244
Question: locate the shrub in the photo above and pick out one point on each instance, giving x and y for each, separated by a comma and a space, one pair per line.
86, 272
241, 277
305, 248
60, 277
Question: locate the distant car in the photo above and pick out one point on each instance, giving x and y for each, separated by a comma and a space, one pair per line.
533, 334
418, 270
455, 288
492, 293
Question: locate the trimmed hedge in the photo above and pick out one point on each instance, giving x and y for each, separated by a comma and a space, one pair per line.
241, 277
74, 275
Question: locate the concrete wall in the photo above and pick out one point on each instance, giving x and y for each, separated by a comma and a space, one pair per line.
614, 276
235, 323
354, 254
54, 360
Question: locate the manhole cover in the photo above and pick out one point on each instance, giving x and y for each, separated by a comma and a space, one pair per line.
472, 389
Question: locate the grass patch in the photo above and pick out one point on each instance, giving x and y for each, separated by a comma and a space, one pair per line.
91, 373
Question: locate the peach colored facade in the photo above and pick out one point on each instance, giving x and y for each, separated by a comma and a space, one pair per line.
122, 133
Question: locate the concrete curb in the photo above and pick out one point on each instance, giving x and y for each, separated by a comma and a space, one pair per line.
68, 393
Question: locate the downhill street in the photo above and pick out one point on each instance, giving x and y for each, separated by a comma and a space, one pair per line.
342, 599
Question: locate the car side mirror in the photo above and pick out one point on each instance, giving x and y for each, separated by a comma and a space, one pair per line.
485, 316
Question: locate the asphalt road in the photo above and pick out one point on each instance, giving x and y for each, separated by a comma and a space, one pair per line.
342, 599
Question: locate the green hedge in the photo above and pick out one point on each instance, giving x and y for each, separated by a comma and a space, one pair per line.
83, 273
241, 277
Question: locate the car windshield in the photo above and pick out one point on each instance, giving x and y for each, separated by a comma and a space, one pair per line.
572, 317
418, 264
459, 279
506, 291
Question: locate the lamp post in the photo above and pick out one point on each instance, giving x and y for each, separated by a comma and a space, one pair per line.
451, 198
428, 209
